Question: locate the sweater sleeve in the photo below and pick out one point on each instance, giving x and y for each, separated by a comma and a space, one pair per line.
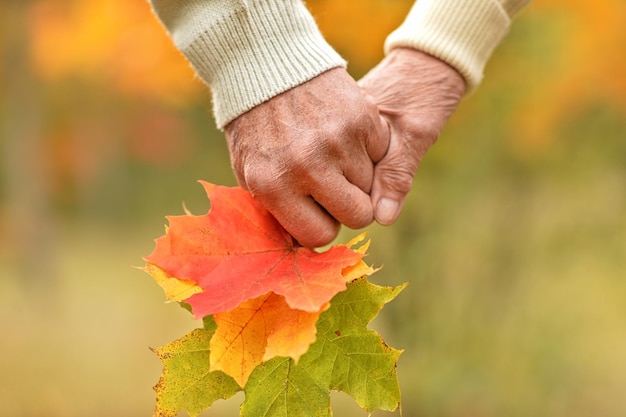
247, 51
462, 33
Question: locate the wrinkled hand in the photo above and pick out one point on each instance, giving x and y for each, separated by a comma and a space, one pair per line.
308, 156
416, 93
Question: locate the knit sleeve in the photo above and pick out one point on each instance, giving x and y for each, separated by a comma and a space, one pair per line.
462, 33
247, 51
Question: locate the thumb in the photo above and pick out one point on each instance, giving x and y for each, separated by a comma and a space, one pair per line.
393, 179
379, 139
388, 194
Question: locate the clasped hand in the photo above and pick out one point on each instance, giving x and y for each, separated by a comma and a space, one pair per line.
333, 151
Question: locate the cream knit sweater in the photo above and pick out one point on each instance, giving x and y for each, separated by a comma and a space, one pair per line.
248, 51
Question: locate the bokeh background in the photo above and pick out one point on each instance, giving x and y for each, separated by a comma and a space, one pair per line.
513, 238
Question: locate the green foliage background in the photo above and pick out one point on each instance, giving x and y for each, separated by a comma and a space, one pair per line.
513, 238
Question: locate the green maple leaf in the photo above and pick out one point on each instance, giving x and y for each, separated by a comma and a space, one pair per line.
280, 388
346, 357
186, 382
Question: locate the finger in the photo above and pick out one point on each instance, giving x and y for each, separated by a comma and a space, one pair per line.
344, 201
358, 169
241, 181
379, 137
388, 201
393, 179
302, 217
359, 164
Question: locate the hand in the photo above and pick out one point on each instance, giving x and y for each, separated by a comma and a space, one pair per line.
416, 93
308, 156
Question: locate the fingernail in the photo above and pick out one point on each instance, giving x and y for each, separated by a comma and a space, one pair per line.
386, 211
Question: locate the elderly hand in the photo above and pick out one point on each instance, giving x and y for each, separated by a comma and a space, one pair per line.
416, 93
308, 156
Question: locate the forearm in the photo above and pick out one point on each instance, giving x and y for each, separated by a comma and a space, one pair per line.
462, 33
247, 51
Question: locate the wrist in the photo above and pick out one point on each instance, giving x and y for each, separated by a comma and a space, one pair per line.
248, 52
463, 33
415, 63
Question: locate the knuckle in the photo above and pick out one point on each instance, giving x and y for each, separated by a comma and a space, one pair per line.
423, 133
365, 122
359, 216
261, 180
316, 236
397, 179
360, 220
354, 211
303, 159
309, 162
326, 234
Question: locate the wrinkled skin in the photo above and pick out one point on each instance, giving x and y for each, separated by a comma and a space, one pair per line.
308, 156
416, 93
324, 153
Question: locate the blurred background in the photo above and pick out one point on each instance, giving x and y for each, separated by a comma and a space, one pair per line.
513, 238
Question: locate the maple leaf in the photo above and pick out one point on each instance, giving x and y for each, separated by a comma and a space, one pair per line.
280, 388
186, 382
175, 289
346, 357
238, 251
284, 323
262, 328
258, 330
359, 269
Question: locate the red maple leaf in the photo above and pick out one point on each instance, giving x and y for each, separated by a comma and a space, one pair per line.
238, 251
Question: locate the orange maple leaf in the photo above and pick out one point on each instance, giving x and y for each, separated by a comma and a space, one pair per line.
238, 251
259, 330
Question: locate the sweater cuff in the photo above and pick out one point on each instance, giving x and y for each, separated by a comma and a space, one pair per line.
248, 51
462, 33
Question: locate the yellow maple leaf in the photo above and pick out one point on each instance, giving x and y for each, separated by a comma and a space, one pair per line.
258, 330
175, 289
294, 333
360, 268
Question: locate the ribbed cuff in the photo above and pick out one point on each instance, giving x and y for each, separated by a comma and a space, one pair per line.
514, 7
462, 33
248, 51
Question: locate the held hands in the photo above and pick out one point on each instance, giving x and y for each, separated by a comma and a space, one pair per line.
324, 153
308, 156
